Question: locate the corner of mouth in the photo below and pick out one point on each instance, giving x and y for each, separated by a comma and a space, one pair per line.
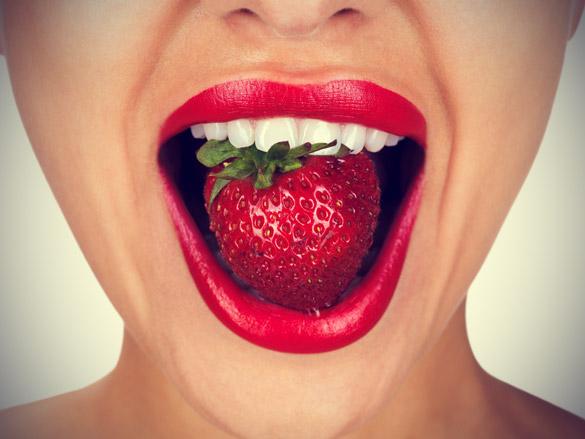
400, 170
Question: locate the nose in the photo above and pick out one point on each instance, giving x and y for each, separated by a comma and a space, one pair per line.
294, 18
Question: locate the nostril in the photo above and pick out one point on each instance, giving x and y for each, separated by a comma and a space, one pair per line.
347, 16
242, 17
242, 13
345, 12
245, 11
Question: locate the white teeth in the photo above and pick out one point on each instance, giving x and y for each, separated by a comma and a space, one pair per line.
264, 133
279, 129
319, 131
197, 131
215, 131
375, 139
393, 140
354, 137
240, 133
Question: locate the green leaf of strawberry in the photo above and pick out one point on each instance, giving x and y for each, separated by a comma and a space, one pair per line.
251, 162
343, 151
236, 170
215, 152
288, 165
220, 183
277, 152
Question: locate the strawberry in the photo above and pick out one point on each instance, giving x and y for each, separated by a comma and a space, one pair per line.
294, 227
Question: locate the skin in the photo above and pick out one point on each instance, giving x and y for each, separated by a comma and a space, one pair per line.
95, 80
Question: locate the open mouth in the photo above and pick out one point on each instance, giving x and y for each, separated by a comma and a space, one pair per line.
360, 115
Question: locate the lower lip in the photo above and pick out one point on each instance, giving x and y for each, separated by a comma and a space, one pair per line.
262, 323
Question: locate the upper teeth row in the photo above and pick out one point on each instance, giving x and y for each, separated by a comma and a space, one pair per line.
266, 132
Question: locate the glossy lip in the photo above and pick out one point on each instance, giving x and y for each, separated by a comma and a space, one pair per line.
269, 325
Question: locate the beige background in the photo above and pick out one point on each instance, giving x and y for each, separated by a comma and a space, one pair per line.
525, 311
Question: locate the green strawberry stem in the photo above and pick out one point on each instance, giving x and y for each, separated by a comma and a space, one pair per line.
247, 162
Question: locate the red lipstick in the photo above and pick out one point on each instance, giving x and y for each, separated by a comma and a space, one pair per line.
265, 324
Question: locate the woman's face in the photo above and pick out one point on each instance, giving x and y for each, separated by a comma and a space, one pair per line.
95, 81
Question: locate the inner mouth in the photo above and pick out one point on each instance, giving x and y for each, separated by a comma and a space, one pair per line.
396, 168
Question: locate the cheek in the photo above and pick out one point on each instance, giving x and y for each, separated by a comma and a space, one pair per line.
76, 70
499, 72
70, 88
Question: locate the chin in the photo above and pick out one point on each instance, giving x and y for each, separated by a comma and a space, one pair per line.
315, 399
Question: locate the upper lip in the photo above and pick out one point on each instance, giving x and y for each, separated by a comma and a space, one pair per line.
347, 101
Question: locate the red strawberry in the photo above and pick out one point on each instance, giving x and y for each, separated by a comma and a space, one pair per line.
299, 240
